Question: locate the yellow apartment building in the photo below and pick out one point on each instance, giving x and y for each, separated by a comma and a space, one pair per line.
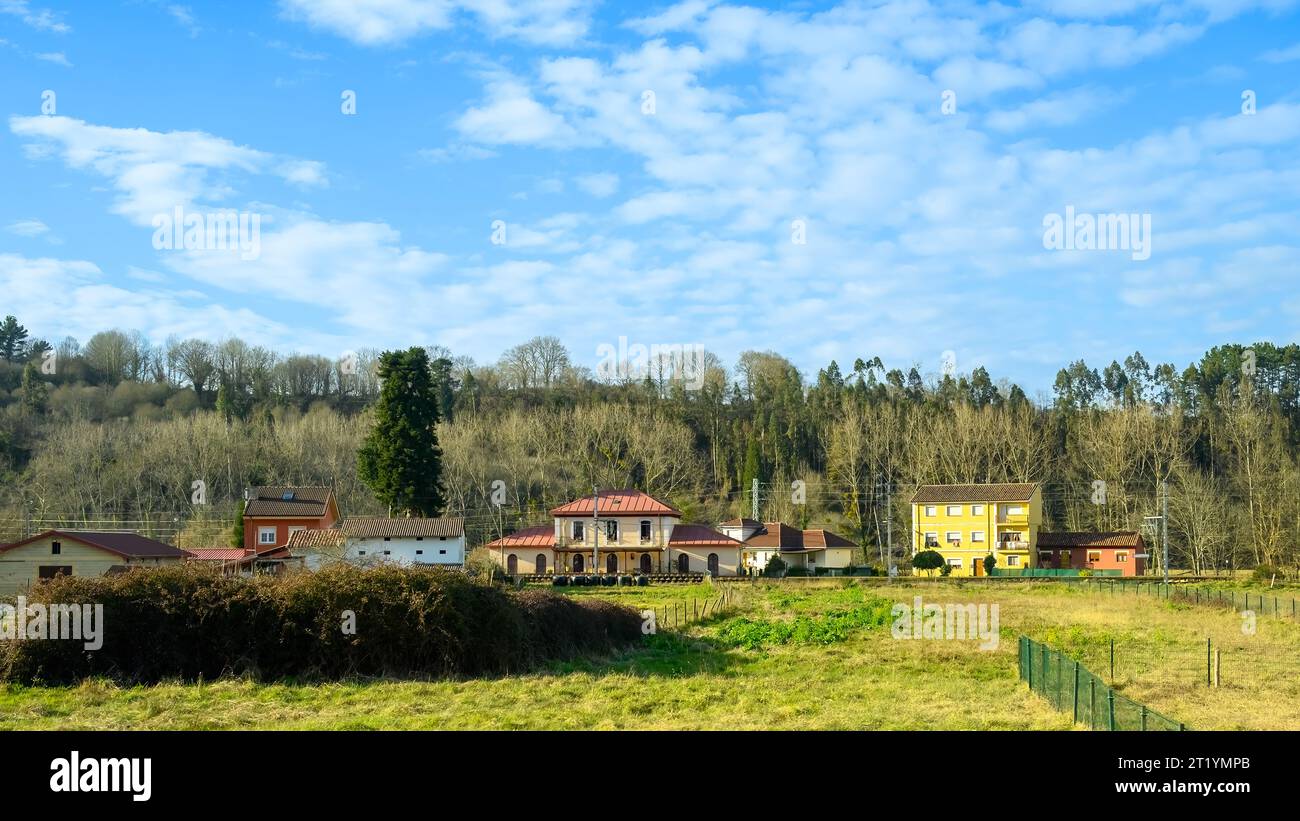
965, 523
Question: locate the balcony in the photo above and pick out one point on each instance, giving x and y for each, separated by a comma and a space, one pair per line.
1013, 544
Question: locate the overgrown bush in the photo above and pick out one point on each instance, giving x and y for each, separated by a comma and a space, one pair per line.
1265, 573
190, 623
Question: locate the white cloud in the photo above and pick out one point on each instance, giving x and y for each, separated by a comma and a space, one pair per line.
56, 57
154, 172
28, 228
387, 22
41, 19
598, 185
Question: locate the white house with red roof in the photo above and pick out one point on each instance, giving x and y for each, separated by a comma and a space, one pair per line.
814, 548
618, 531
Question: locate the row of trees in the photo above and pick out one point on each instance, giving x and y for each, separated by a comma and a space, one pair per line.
121, 430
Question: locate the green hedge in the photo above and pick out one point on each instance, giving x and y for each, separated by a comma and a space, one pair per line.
189, 623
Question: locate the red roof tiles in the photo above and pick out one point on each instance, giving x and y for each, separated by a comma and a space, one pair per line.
618, 503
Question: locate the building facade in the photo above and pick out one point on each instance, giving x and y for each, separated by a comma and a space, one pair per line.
965, 523
1113, 552
815, 549
273, 514
78, 553
617, 531
370, 540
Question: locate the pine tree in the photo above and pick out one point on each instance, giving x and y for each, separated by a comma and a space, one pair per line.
12, 337
400, 460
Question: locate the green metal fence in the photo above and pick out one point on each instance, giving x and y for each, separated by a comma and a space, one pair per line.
1241, 600
1073, 688
1051, 572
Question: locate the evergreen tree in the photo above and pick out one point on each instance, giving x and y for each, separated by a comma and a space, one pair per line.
400, 460
12, 337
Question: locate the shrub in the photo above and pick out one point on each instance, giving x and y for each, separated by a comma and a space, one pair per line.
1264, 574
775, 567
796, 571
643, 581
188, 623
929, 561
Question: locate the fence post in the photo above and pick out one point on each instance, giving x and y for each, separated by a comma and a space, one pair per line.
1208, 661
1112, 660
1144, 718
1076, 692
1092, 702
1110, 698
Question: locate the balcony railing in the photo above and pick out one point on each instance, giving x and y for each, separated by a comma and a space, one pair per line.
1013, 544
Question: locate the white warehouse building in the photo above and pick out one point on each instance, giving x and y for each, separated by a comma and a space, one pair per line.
371, 540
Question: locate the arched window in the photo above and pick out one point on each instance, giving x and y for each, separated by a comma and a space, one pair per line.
512, 564
713, 564
540, 565
577, 562
647, 565
611, 563
683, 563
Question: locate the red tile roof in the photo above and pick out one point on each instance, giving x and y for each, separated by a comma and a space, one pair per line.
1113, 539
287, 501
217, 554
618, 503
994, 492
779, 534
699, 536
122, 542
540, 536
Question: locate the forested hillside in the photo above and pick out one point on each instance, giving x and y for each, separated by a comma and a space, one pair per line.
117, 431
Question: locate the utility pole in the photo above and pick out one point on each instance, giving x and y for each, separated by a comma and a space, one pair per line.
1164, 526
889, 525
595, 529
754, 500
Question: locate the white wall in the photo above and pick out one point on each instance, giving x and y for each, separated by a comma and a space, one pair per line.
409, 550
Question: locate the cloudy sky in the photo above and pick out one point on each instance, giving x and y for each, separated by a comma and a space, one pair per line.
829, 180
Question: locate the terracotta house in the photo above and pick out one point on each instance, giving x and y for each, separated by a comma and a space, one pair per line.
272, 514
1122, 550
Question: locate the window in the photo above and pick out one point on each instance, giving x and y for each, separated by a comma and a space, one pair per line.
577, 531
954, 510
266, 535
931, 510
977, 510
954, 562
1044, 557
419, 538
419, 552
1121, 556
1013, 561
932, 540
645, 531
1015, 510
713, 564
611, 530
977, 535
1094, 555
56, 548
539, 564
361, 552
442, 553
388, 538
683, 564
952, 537
49, 571
388, 552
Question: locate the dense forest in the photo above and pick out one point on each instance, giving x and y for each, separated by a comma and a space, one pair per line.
119, 432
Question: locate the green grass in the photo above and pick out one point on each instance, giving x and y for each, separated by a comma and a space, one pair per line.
805, 655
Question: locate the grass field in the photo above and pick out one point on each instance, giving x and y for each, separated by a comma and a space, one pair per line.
798, 655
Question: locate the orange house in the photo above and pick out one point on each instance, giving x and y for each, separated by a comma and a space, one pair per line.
273, 513
1123, 550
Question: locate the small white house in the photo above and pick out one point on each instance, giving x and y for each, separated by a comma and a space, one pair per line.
374, 540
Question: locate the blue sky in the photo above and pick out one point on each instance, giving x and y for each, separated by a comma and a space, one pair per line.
923, 227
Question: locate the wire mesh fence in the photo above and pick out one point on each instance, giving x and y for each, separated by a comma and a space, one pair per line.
1265, 604
1071, 687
